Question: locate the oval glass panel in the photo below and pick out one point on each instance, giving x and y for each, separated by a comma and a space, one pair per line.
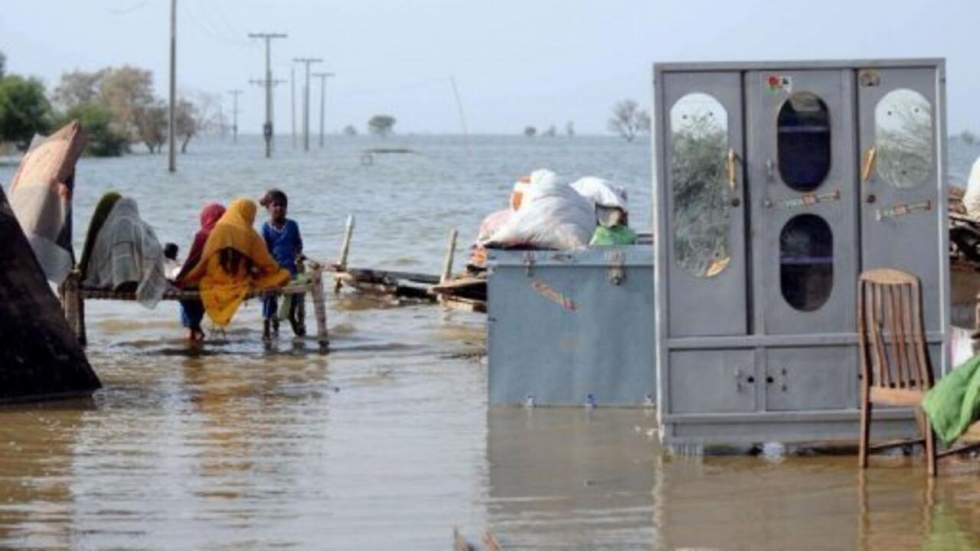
806, 262
903, 136
699, 145
803, 141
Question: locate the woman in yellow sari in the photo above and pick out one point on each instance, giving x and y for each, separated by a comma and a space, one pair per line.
235, 261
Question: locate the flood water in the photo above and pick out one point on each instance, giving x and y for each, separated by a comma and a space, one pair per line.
387, 442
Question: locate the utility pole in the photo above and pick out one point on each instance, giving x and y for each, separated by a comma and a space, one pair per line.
172, 131
306, 99
234, 114
292, 100
323, 93
267, 127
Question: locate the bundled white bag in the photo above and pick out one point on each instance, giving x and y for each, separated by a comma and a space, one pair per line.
971, 200
552, 216
601, 192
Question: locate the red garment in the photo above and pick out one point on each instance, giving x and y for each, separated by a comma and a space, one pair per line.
209, 217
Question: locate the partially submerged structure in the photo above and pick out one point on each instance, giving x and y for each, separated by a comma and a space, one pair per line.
40, 358
571, 327
776, 184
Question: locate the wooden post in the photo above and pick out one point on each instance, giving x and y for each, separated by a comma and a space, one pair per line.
344, 250
447, 267
320, 309
73, 305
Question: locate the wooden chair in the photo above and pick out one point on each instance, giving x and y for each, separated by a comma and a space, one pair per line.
895, 367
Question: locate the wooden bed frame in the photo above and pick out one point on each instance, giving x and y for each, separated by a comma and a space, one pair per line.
73, 297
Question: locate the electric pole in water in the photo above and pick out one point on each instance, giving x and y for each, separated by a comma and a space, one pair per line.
270, 114
172, 130
267, 127
292, 100
234, 114
306, 99
323, 94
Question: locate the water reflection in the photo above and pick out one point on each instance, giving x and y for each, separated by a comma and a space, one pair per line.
699, 144
903, 135
36, 473
571, 478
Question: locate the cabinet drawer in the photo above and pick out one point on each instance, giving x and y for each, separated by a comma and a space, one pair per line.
805, 379
712, 381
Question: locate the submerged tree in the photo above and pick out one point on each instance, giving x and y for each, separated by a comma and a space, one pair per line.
350, 130
102, 139
381, 125
530, 131
969, 138
24, 110
151, 123
628, 120
551, 132
569, 129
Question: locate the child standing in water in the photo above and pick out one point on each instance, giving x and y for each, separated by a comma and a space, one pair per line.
283, 239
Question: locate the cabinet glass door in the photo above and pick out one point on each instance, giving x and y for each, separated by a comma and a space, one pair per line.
706, 221
803, 177
900, 179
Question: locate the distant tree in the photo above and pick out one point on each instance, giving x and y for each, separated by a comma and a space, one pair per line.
381, 125
24, 110
551, 132
77, 88
125, 91
151, 125
530, 131
102, 139
187, 122
968, 137
569, 129
350, 130
628, 120
3, 64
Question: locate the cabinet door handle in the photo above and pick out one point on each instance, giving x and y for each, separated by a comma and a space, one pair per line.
731, 163
869, 164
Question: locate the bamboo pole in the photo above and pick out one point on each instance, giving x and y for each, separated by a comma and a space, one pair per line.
447, 267
344, 251
320, 309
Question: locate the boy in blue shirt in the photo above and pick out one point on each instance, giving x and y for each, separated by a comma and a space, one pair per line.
283, 239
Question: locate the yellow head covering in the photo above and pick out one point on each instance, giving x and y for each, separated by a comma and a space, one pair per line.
221, 292
234, 231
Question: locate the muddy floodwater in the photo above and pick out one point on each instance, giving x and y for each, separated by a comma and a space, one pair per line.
387, 442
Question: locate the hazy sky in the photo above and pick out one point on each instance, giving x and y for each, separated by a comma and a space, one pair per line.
516, 62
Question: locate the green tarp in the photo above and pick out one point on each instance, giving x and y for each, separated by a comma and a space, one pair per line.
954, 403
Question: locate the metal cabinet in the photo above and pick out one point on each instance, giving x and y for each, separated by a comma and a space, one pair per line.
571, 328
775, 184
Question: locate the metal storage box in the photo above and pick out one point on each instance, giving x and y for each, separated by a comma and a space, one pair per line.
775, 185
571, 328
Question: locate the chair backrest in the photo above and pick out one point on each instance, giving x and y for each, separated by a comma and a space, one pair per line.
890, 331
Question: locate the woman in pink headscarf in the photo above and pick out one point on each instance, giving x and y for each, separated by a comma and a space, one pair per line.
192, 311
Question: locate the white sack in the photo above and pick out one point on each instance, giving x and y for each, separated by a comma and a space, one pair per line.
971, 200
552, 216
601, 192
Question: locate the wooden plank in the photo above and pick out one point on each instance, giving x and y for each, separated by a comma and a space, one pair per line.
896, 396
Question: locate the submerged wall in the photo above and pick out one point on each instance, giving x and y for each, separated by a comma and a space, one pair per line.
40, 358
